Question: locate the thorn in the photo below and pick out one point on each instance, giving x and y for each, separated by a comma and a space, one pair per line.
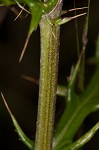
77, 16
78, 9
20, 6
67, 19
18, 14
26, 15
24, 48
6, 103
30, 79
74, 9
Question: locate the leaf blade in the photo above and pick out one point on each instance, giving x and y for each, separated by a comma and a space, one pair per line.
29, 143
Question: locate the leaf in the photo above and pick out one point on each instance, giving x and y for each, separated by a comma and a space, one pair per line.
77, 109
37, 9
60, 21
71, 106
84, 139
36, 14
9, 2
29, 143
5, 2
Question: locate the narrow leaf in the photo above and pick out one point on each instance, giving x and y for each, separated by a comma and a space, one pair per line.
84, 139
60, 21
29, 143
78, 108
36, 14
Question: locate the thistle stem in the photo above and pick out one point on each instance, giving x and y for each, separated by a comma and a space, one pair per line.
48, 81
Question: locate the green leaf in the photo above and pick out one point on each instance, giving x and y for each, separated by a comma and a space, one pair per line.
37, 13
6, 2
9, 2
77, 109
29, 143
60, 21
84, 139
37, 9
61, 127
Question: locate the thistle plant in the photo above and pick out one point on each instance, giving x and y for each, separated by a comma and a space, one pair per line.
48, 15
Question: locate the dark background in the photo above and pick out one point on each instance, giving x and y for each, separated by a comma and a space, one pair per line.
22, 95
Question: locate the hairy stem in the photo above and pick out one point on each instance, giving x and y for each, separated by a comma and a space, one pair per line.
48, 80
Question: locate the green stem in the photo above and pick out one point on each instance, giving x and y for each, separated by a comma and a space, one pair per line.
48, 81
